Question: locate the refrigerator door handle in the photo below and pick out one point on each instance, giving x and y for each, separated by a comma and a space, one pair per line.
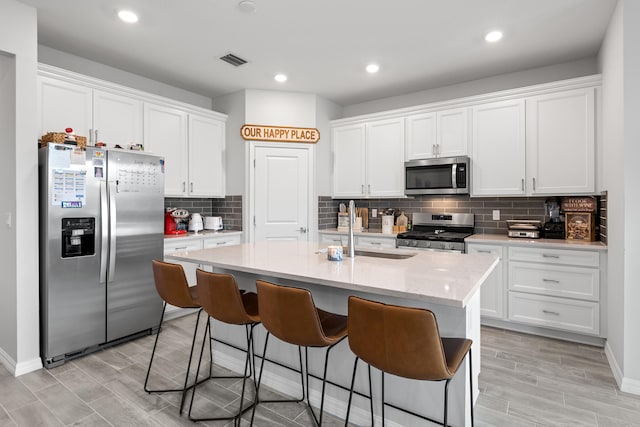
112, 230
104, 243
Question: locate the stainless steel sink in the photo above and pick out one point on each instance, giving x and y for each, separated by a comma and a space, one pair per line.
386, 255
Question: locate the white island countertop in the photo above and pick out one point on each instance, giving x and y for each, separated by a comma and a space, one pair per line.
436, 277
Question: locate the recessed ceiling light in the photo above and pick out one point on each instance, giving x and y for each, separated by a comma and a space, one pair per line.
128, 16
247, 6
281, 78
493, 36
372, 68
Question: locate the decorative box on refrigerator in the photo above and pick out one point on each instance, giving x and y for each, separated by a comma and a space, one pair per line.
101, 224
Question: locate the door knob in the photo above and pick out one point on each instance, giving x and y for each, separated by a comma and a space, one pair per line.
303, 229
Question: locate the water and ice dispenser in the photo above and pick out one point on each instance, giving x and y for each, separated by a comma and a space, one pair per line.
78, 237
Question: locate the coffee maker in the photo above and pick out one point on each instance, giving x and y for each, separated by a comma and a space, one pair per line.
554, 228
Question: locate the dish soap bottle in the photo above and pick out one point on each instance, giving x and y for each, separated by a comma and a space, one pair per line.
402, 222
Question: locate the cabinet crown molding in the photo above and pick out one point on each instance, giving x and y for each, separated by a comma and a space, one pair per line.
539, 89
95, 83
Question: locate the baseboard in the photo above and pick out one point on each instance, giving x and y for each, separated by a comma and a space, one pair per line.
542, 331
17, 369
626, 385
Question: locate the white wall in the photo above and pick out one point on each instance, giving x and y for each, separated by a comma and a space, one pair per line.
631, 195
325, 112
19, 330
70, 62
562, 71
620, 68
274, 108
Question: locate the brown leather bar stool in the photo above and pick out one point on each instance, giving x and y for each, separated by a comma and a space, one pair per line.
290, 315
222, 300
405, 342
173, 288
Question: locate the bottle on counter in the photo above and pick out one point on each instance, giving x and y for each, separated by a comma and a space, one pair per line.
402, 222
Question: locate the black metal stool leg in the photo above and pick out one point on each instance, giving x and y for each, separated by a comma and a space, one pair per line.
382, 380
264, 354
446, 402
193, 394
353, 380
370, 394
155, 344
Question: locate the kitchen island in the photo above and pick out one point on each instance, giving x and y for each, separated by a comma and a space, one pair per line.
448, 284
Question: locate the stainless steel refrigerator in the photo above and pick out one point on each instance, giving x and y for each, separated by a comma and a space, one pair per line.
101, 224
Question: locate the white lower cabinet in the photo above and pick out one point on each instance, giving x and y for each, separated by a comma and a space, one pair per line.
194, 244
376, 242
559, 313
334, 239
492, 292
550, 287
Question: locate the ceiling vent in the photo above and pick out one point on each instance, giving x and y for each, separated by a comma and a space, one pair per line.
232, 59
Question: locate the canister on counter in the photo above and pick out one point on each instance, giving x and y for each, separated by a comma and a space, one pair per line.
334, 253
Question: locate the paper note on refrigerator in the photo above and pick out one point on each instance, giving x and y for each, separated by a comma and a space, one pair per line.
69, 188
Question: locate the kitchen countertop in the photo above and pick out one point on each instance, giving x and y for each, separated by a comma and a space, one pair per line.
201, 235
435, 277
360, 233
557, 243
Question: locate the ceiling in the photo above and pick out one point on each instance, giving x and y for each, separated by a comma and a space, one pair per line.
324, 45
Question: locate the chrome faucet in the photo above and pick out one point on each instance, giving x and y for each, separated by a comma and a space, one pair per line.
352, 220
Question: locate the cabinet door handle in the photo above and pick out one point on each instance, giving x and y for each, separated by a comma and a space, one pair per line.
433, 149
522, 184
95, 136
483, 251
184, 187
362, 188
534, 184
369, 188
550, 281
191, 187
550, 256
438, 150
221, 243
376, 243
555, 313
180, 248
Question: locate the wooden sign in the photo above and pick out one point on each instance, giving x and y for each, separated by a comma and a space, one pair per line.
579, 204
279, 134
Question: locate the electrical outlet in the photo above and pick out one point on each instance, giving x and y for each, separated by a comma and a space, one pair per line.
374, 213
496, 215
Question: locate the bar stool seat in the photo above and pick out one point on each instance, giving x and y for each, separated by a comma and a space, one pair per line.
222, 300
172, 286
290, 315
405, 342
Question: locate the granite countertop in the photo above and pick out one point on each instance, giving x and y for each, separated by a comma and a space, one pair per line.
552, 243
201, 235
435, 277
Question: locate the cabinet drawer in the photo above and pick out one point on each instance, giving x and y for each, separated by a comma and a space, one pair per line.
558, 280
495, 250
190, 245
375, 242
333, 239
552, 312
555, 256
216, 242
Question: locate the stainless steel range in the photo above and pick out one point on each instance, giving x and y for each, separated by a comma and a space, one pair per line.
438, 232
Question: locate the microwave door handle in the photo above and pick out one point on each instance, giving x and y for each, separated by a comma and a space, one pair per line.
454, 171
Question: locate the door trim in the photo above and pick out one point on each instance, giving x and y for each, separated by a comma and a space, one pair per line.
250, 185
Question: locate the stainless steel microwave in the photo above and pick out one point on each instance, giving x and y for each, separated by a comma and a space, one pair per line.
444, 175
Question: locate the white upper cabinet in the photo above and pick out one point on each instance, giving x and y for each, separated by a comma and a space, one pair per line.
421, 136
561, 142
498, 148
64, 104
117, 119
348, 160
206, 157
369, 159
165, 134
437, 134
385, 153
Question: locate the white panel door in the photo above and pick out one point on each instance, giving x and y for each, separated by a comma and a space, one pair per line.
165, 134
348, 161
206, 156
498, 148
421, 136
385, 158
281, 193
117, 119
561, 142
64, 105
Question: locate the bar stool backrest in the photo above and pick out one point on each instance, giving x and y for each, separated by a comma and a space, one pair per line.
220, 297
402, 341
172, 285
290, 314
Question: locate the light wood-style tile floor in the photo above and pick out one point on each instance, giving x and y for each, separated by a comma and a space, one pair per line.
524, 381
